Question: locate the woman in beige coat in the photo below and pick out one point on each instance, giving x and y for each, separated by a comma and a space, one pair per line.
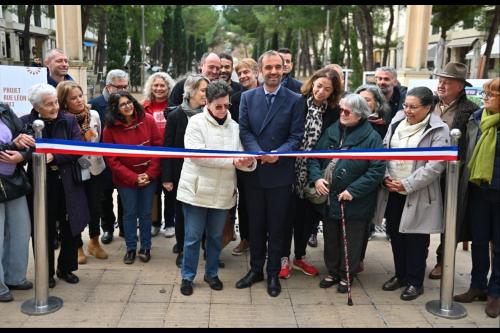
411, 197
207, 187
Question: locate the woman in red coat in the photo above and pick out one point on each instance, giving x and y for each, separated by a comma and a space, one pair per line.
134, 177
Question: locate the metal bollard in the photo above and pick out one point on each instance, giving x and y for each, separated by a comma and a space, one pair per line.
445, 307
42, 303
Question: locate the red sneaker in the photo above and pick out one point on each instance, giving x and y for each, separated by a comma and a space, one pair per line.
301, 265
285, 268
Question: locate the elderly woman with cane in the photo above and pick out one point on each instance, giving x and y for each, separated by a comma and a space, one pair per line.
354, 182
411, 195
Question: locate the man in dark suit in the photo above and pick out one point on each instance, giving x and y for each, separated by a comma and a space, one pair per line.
288, 81
271, 120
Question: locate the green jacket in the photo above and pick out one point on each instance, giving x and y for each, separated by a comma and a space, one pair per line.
360, 177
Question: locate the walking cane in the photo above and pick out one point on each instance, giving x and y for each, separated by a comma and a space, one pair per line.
344, 240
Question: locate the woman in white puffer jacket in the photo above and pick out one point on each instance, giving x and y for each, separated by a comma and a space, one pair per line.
207, 186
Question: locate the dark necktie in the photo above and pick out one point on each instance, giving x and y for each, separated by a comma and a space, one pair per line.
269, 100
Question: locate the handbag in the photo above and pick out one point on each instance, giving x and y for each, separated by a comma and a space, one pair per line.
15, 185
310, 192
80, 171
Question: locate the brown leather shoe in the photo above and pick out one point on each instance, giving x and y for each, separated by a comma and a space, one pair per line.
436, 272
471, 295
492, 307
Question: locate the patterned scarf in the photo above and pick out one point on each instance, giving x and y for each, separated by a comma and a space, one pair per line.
83, 119
312, 132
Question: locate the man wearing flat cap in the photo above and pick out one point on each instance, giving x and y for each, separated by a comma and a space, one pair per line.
454, 108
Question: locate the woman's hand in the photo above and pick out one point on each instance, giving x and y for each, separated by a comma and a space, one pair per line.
11, 156
168, 186
142, 180
49, 157
23, 141
243, 162
321, 186
398, 186
346, 196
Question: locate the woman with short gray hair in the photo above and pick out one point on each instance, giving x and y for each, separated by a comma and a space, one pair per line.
354, 181
195, 89
68, 201
207, 186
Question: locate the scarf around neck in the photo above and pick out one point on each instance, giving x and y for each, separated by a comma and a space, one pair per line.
312, 132
188, 110
483, 158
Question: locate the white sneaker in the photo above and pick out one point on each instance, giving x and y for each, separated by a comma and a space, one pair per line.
154, 231
169, 232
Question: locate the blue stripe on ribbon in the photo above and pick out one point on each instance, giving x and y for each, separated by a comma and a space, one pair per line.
75, 144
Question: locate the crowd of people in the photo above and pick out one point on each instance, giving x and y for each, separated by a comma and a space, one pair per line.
268, 112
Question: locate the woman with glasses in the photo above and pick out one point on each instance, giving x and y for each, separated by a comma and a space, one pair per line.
207, 187
134, 177
354, 182
411, 195
481, 197
194, 100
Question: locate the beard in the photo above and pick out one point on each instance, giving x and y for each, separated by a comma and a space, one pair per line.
225, 76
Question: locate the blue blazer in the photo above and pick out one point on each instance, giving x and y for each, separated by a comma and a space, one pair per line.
280, 129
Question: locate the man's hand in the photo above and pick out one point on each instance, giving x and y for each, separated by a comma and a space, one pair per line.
168, 186
243, 162
269, 159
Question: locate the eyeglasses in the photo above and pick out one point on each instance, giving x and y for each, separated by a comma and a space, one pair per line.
222, 107
120, 87
125, 105
411, 107
346, 112
488, 95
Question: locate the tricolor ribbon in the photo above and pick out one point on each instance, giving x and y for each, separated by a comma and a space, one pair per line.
57, 146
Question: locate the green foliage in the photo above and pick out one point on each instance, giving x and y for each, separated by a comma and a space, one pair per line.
201, 47
135, 61
446, 16
116, 38
357, 68
191, 45
179, 51
200, 21
167, 27
335, 56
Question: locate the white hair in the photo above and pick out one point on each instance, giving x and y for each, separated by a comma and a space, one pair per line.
38, 91
358, 105
52, 53
148, 86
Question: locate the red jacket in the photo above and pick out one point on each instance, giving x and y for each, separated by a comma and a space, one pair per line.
156, 110
142, 132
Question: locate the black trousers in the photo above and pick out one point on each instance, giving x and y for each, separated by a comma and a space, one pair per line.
334, 246
93, 191
267, 209
304, 216
56, 211
409, 250
168, 210
107, 215
243, 220
179, 219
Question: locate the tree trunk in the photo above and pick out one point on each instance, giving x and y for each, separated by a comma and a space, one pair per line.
368, 19
347, 48
361, 29
86, 14
388, 36
26, 35
491, 37
317, 56
100, 52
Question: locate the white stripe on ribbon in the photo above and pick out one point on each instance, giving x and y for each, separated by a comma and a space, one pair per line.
57, 146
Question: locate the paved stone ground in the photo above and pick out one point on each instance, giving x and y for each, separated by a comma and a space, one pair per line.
112, 294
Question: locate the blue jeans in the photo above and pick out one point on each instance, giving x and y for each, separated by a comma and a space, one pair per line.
15, 230
137, 203
197, 220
